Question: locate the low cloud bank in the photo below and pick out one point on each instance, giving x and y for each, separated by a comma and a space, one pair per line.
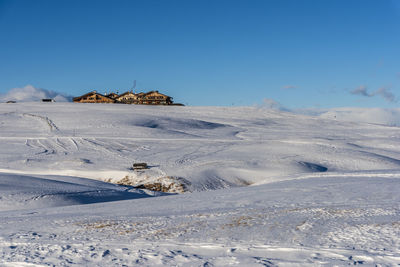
389, 117
30, 93
382, 116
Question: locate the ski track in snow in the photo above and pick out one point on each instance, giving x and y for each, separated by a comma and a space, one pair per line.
323, 192
52, 126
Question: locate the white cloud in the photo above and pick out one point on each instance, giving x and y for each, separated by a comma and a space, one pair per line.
30, 93
272, 104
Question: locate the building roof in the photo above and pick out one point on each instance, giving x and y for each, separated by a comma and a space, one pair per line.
126, 93
112, 95
88, 94
151, 92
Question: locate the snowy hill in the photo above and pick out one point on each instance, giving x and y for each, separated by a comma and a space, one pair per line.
209, 147
269, 187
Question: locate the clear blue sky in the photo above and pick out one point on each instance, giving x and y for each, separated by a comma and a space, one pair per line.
301, 53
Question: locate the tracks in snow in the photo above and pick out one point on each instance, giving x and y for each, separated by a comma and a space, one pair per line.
51, 146
213, 239
180, 254
52, 126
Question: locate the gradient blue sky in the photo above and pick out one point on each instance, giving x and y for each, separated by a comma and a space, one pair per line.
301, 53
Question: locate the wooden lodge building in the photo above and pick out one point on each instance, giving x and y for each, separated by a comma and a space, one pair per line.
93, 97
127, 98
149, 98
154, 98
112, 95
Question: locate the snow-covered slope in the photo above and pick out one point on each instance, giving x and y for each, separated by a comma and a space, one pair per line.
27, 192
208, 147
269, 187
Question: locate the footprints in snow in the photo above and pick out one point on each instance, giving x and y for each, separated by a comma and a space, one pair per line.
172, 253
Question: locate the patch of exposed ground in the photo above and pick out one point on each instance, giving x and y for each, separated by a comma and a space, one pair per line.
167, 184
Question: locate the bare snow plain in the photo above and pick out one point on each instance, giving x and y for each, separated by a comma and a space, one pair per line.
247, 186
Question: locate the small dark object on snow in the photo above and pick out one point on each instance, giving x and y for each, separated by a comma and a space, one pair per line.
11, 101
140, 166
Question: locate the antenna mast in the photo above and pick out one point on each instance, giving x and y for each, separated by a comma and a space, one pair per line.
134, 87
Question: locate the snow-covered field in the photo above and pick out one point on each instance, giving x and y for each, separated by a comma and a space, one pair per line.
256, 187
